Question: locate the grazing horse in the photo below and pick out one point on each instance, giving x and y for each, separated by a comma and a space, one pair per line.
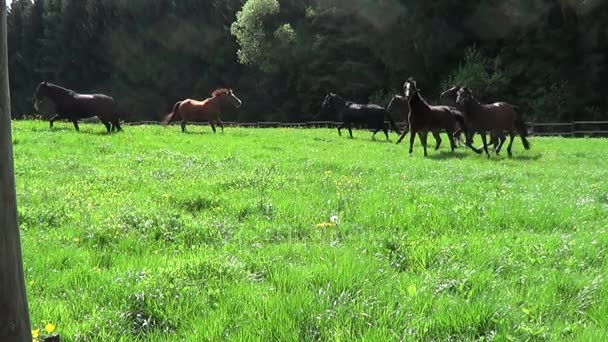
399, 106
73, 106
493, 117
206, 110
424, 118
450, 96
350, 113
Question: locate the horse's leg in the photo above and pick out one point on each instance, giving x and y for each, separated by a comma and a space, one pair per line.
219, 123
500, 139
212, 125
342, 125
385, 132
512, 135
117, 125
437, 137
485, 143
423, 136
374, 134
412, 137
451, 138
350, 130
405, 130
76, 125
53, 120
183, 126
107, 124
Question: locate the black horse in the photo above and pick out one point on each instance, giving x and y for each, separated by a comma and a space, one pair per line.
350, 113
73, 106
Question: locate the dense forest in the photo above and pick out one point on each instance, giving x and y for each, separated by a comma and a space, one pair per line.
281, 57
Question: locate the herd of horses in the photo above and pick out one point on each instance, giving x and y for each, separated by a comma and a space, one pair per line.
465, 114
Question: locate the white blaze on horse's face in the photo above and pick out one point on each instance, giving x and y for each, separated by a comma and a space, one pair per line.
408, 90
36, 104
235, 100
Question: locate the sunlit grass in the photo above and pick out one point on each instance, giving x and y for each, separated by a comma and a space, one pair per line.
292, 234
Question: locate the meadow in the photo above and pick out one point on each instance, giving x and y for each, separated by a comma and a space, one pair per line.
294, 234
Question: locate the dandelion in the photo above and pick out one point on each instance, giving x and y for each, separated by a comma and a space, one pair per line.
35, 333
50, 327
324, 225
334, 219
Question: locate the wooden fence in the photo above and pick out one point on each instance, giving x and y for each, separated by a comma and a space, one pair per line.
571, 129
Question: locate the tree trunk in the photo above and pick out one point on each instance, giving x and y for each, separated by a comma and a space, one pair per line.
14, 316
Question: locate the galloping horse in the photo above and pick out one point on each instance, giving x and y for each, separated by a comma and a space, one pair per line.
496, 137
399, 106
73, 106
424, 117
493, 117
349, 112
207, 110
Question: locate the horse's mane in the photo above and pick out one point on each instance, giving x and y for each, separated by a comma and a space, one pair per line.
220, 91
55, 86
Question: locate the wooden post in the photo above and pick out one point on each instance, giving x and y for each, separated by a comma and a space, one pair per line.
14, 316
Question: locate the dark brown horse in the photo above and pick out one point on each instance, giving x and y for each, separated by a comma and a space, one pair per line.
399, 106
493, 117
350, 113
496, 138
207, 110
424, 118
72, 106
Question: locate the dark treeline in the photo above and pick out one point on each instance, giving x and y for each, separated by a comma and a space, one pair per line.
282, 57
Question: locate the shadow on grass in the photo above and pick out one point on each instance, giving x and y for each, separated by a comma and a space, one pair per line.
441, 155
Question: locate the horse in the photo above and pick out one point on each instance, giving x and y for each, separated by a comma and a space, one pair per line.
400, 106
424, 117
496, 137
72, 106
207, 110
493, 117
350, 113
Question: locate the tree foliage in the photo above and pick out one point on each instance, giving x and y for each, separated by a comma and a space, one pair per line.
281, 57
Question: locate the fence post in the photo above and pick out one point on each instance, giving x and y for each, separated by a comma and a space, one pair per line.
14, 316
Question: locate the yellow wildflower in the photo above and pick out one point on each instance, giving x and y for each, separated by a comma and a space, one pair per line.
50, 327
35, 333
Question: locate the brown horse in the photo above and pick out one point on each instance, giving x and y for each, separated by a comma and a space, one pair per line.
399, 107
493, 117
424, 118
206, 110
450, 95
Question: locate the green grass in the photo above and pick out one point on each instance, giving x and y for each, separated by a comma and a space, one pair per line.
155, 235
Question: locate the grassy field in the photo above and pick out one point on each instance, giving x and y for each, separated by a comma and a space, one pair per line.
291, 234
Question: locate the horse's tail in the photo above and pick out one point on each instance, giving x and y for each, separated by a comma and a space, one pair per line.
390, 119
522, 129
174, 115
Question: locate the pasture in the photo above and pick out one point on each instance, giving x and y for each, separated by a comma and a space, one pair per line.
290, 234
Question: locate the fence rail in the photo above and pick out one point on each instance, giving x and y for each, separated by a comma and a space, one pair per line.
565, 129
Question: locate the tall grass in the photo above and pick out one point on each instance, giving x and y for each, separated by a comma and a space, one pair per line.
291, 234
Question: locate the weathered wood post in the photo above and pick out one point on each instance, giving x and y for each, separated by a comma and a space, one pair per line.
14, 316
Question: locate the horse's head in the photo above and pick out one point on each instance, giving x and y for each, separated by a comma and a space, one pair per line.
409, 88
327, 102
398, 106
451, 93
464, 95
40, 93
228, 95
